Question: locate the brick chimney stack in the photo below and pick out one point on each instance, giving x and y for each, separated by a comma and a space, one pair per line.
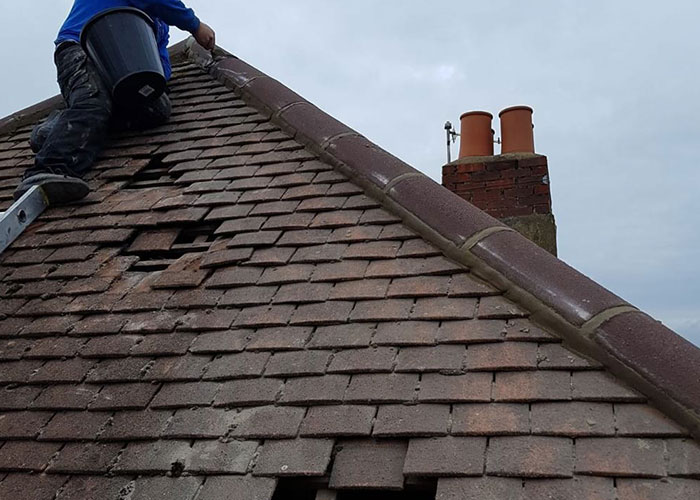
512, 186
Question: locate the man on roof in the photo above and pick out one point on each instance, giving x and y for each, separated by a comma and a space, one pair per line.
69, 141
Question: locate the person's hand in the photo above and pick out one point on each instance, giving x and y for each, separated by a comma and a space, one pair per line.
205, 36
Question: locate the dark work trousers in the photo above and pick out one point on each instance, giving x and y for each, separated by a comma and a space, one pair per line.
77, 134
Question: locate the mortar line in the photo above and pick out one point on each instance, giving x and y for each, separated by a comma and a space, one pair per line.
399, 179
590, 326
481, 235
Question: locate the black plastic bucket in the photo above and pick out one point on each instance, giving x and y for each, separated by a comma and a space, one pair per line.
122, 43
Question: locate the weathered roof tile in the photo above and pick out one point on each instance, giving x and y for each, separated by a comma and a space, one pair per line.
369, 464
322, 313
684, 457
532, 386
183, 395
445, 456
42, 486
79, 458
510, 456
214, 456
469, 332
490, 419
338, 420
296, 457
249, 392
62, 397
166, 487
232, 366
83, 487
22, 425
153, 458
71, 370
555, 356
638, 489
220, 342
264, 316
643, 420
135, 425
382, 310
437, 388
441, 358
394, 388
63, 426
342, 336
124, 397
418, 420
297, 363
26, 455
599, 386
443, 308
577, 488
620, 457
328, 389
279, 339
267, 422
376, 359
198, 423
254, 488
483, 488
502, 356
407, 333
361, 289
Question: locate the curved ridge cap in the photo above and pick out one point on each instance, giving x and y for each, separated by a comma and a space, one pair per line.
374, 169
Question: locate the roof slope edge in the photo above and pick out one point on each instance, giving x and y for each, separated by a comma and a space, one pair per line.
31, 114
593, 320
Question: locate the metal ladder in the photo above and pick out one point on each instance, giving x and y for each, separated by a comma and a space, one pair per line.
20, 215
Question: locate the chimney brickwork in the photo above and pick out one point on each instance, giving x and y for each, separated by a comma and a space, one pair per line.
502, 186
512, 187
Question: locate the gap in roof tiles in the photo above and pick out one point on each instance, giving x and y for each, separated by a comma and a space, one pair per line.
196, 238
158, 249
156, 174
316, 489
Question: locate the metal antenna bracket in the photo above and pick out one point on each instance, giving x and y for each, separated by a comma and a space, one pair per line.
451, 139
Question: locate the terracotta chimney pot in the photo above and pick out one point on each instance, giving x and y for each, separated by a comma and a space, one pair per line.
516, 130
476, 134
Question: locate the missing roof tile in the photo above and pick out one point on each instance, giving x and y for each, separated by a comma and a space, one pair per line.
155, 174
296, 489
408, 494
154, 256
195, 238
304, 489
151, 265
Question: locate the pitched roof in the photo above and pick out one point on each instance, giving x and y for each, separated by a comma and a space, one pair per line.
255, 292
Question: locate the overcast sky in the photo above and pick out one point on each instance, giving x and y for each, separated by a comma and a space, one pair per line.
614, 85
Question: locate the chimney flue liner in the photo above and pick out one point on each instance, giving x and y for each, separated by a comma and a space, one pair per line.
517, 130
476, 137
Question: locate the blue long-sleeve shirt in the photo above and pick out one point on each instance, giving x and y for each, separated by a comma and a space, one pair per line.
164, 13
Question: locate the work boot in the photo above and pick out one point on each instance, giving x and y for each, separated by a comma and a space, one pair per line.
42, 131
59, 188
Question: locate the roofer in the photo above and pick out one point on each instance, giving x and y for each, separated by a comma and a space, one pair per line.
69, 141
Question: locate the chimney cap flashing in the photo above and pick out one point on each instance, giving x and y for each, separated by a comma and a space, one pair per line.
470, 113
516, 108
495, 158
